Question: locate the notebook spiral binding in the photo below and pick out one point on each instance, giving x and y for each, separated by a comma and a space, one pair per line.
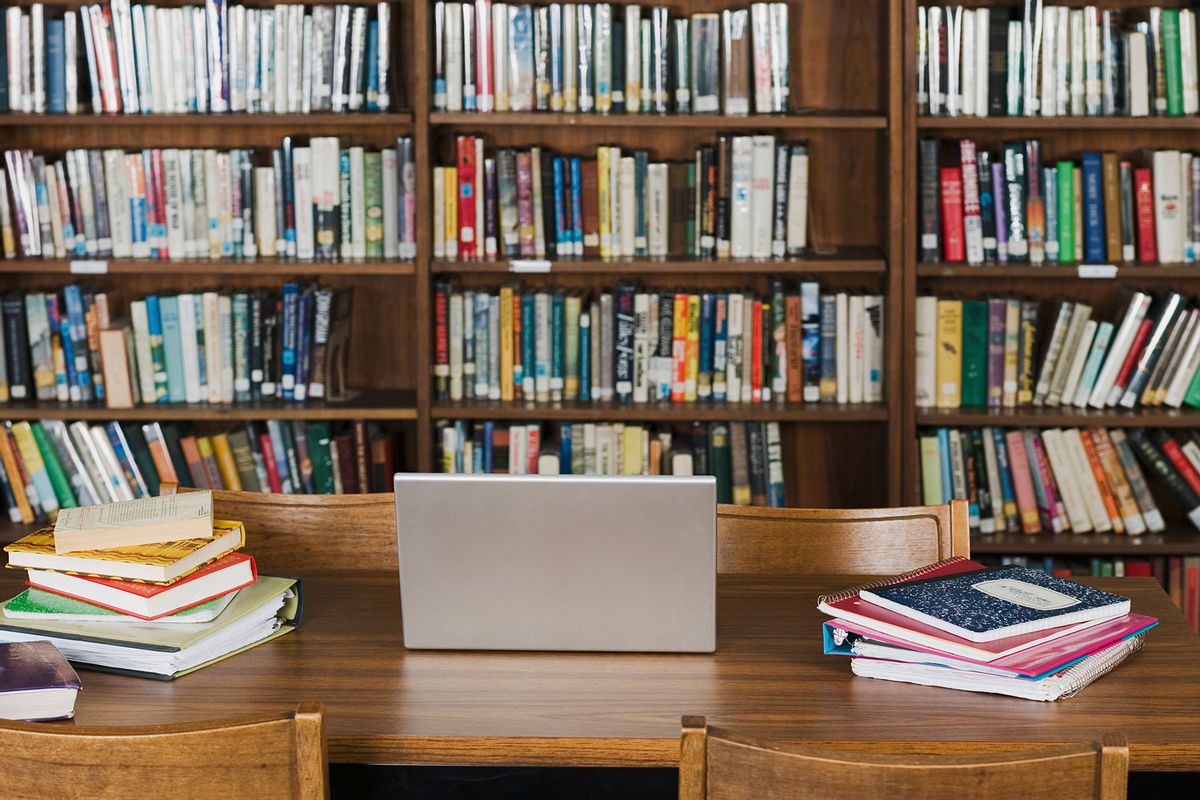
903, 577
1085, 672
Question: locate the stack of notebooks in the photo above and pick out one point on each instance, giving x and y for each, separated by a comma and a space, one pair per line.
957, 624
152, 587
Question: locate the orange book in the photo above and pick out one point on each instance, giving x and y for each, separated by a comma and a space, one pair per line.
8, 461
1106, 493
195, 464
118, 384
158, 452
793, 338
679, 348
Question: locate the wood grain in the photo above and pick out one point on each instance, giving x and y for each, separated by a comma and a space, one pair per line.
768, 678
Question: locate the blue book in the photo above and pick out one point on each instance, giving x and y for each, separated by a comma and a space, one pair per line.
562, 245
943, 435
704, 382
1094, 243
56, 68
373, 65
157, 351
78, 335
1050, 189
287, 352
827, 337
173, 349
1091, 368
481, 349
64, 336
585, 357
576, 207
5, 106
488, 428
304, 306
557, 360
991, 604
720, 346
460, 433
641, 162
1007, 493
564, 449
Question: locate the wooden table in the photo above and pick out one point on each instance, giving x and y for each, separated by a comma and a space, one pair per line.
388, 706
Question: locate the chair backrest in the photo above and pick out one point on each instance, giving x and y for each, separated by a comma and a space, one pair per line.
868, 541
275, 757
328, 532
715, 765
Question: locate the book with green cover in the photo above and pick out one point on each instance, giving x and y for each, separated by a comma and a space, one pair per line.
58, 478
38, 604
722, 465
974, 353
318, 450
1066, 211
1192, 398
373, 196
1173, 61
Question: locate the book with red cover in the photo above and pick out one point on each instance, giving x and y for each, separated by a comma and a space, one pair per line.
268, 454
466, 197
1131, 358
953, 246
1147, 249
1170, 449
150, 601
848, 605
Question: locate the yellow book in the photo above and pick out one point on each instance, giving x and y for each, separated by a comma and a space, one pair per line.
8, 461
602, 187
163, 562
450, 195
949, 353
631, 450
692, 353
35, 466
506, 343
225, 462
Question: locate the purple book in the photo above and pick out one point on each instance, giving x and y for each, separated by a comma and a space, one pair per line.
36, 682
997, 312
999, 192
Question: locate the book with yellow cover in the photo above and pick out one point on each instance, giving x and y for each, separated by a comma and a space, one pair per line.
949, 353
160, 562
225, 462
128, 523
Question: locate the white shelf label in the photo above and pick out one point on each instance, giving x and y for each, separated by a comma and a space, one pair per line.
81, 266
1104, 271
529, 265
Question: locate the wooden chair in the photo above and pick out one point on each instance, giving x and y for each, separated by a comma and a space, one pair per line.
304, 531
715, 765
869, 541
274, 757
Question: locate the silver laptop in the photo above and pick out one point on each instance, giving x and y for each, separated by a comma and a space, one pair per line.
557, 562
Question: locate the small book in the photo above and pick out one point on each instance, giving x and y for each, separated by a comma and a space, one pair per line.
147, 520
157, 563
36, 682
986, 605
150, 601
36, 604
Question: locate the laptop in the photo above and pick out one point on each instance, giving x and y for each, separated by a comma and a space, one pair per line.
557, 562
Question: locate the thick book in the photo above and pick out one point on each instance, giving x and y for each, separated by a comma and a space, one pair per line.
36, 682
146, 520
997, 603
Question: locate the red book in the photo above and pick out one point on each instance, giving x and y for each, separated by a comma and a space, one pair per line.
160, 202
1055, 509
756, 346
1131, 358
1022, 482
532, 449
1191, 606
466, 197
441, 341
151, 601
1138, 568
268, 454
972, 216
953, 246
1178, 460
518, 367
1143, 193
679, 349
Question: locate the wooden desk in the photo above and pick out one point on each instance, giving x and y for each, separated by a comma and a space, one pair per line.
386, 705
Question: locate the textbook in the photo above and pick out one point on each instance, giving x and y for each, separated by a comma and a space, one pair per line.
147, 520
157, 563
993, 604
36, 682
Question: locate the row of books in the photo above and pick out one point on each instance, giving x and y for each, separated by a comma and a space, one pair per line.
211, 58
1006, 207
318, 200
203, 347
978, 353
1054, 61
50, 464
629, 344
745, 457
746, 197
597, 57
1061, 480
1178, 575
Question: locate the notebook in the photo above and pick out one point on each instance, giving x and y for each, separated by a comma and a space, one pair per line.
986, 605
848, 605
36, 682
1065, 683
34, 603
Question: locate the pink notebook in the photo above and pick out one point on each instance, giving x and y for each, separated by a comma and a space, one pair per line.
849, 606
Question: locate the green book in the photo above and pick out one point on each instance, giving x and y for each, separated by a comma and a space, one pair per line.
1066, 211
1192, 398
1172, 61
317, 434
58, 478
373, 195
974, 353
42, 605
719, 459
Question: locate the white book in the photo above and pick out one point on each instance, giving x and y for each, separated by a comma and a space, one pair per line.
143, 87
81, 437
251, 60
383, 15
116, 185
1187, 54
953, 16
843, 348
1139, 74
1168, 197
760, 57
628, 206
454, 56
741, 219
1139, 304
357, 65
1049, 81
187, 338
733, 365
856, 325
1062, 60
281, 19
926, 351
797, 201
391, 228
958, 475
358, 203
641, 347
969, 60
303, 190
341, 55
658, 212
439, 212
633, 58
173, 193
1080, 315
37, 65
1092, 84
761, 195
176, 44
122, 27
982, 44
142, 355
1085, 477
106, 460
499, 28
873, 354
200, 61
1189, 362
1077, 61
237, 63
210, 304
266, 62
264, 212
1079, 357
1065, 476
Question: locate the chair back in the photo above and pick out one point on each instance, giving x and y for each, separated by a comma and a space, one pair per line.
716, 765
809, 541
275, 757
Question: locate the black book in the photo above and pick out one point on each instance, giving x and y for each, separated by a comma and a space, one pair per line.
724, 190
4, 103
288, 230
141, 455
987, 522
987, 205
254, 355
269, 387
756, 452
171, 434
969, 458
699, 441
1128, 251
1113, 69
706, 181
100, 204
1150, 449
623, 343
16, 347
997, 62
618, 66
491, 225
549, 198
931, 213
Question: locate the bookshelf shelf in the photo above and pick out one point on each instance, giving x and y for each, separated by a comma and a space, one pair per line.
122, 121
1130, 274
640, 412
850, 260
226, 267
1176, 540
1054, 124
795, 121
376, 405
1062, 417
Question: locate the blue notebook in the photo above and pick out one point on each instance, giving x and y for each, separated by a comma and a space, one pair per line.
995, 603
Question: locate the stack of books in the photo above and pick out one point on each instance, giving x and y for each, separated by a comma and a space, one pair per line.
152, 587
957, 624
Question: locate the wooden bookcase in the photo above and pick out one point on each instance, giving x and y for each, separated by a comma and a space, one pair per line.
1060, 136
847, 100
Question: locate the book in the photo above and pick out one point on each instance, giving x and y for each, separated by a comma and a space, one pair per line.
37, 604
994, 604
36, 682
148, 520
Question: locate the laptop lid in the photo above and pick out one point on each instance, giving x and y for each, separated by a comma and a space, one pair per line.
557, 562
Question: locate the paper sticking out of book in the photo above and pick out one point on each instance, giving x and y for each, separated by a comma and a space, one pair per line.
148, 520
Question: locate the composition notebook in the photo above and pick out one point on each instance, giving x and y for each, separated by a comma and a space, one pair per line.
985, 605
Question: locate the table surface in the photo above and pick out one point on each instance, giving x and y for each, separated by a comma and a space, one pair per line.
768, 678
